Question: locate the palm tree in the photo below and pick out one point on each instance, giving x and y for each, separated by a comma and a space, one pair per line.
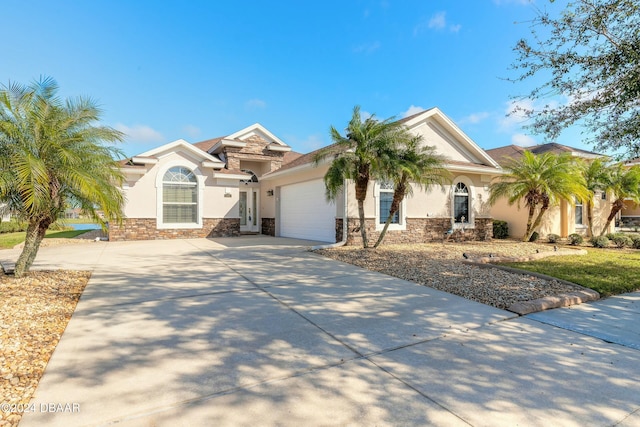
542, 181
623, 183
356, 156
51, 154
410, 164
595, 174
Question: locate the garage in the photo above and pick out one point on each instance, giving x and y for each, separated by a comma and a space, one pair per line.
305, 213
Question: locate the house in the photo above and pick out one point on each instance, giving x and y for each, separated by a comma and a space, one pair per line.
251, 182
562, 220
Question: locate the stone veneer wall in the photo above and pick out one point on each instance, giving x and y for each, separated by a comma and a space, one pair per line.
419, 230
268, 227
145, 229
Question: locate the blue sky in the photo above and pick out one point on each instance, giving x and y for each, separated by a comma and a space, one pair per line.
163, 70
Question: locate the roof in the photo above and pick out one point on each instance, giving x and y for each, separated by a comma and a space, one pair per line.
514, 152
301, 159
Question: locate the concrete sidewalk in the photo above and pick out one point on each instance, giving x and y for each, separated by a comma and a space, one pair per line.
258, 331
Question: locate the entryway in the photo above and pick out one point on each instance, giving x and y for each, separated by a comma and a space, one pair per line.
248, 209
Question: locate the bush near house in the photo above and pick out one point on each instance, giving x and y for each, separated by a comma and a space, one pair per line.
553, 238
599, 241
12, 226
534, 236
622, 241
575, 239
636, 242
500, 229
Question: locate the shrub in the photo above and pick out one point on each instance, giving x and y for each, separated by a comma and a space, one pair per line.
636, 242
622, 241
575, 239
12, 226
611, 236
599, 242
534, 236
553, 238
500, 229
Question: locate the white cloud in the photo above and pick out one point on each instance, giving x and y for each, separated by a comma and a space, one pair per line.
254, 104
367, 47
475, 118
523, 140
192, 131
438, 21
413, 109
140, 133
305, 145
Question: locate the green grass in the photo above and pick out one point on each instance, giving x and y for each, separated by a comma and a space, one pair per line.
607, 271
9, 240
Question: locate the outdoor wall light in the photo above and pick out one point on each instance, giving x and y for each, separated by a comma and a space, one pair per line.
270, 193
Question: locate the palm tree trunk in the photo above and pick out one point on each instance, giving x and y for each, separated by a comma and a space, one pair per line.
615, 208
361, 193
529, 231
589, 218
35, 234
363, 230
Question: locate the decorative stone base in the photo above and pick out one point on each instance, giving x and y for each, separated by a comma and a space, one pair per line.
145, 229
418, 230
268, 227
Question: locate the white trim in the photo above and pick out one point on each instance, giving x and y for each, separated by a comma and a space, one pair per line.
213, 165
181, 143
144, 160
200, 178
258, 127
402, 218
278, 148
221, 175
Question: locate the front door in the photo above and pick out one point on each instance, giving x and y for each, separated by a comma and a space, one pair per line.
248, 207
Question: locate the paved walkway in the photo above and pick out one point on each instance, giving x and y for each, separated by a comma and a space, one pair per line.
258, 331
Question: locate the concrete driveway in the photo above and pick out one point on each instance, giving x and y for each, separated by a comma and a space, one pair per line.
258, 331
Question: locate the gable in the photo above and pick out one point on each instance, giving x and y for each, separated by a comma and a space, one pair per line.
439, 131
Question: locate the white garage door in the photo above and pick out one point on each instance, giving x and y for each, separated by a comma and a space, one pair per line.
305, 213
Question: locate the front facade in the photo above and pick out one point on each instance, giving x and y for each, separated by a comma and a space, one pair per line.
564, 219
251, 182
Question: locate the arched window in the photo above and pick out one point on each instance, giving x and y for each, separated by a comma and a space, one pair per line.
461, 203
179, 196
254, 177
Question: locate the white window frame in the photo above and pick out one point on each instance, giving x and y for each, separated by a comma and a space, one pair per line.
160, 224
470, 224
579, 203
402, 221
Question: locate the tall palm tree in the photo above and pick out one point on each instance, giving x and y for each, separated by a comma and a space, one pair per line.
356, 156
542, 181
411, 163
53, 153
595, 174
622, 183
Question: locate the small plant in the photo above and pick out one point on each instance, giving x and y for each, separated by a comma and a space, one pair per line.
622, 241
611, 236
575, 239
636, 242
553, 238
500, 229
534, 236
12, 226
599, 242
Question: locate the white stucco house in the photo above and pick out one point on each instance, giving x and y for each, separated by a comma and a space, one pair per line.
251, 182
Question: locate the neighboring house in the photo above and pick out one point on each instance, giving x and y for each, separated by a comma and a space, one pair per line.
562, 220
630, 214
252, 182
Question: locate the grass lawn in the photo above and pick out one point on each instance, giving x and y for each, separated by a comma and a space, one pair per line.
607, 271
9, 240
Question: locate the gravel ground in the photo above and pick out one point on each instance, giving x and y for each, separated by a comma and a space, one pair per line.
440, 266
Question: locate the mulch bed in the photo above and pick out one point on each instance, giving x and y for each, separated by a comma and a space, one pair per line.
34, 312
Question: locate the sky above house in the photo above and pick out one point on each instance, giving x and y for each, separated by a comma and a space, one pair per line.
164, 70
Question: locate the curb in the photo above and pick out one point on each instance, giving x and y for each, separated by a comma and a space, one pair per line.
527, 307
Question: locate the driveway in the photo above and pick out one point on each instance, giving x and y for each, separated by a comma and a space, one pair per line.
258, 331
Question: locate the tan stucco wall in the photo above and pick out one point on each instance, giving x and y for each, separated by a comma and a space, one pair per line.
558, 220
446, 145
141, 191
630, 209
